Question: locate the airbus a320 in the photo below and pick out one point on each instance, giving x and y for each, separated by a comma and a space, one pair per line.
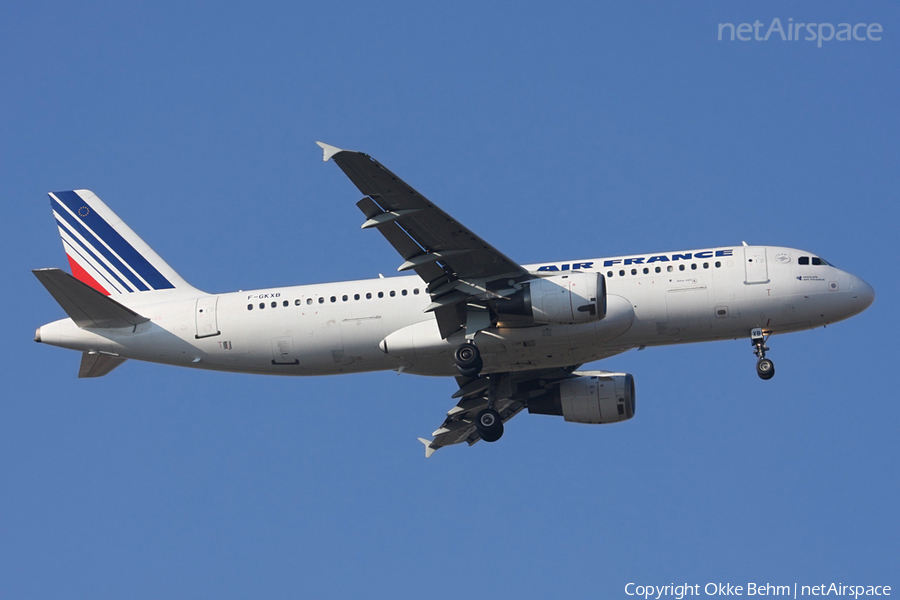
514, 336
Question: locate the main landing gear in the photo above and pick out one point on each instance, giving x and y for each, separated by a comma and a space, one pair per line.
468, 359
469, 364
765, 368
489, 424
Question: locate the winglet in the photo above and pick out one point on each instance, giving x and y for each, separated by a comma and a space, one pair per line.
329, 150
428, 449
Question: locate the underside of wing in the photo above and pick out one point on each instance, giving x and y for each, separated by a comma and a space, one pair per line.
506, 393
457, 265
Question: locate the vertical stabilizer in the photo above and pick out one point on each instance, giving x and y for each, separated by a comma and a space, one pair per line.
104, 252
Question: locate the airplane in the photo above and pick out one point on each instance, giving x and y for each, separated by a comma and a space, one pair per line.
514, 336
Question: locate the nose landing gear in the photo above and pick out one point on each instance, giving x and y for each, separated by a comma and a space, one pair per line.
765, 368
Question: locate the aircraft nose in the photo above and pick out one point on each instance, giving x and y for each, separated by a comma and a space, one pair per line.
863, 294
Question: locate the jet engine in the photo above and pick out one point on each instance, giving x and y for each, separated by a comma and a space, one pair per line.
592, 397
560, 299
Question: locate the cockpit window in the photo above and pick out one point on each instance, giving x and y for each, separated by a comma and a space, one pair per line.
820, 261
803, 260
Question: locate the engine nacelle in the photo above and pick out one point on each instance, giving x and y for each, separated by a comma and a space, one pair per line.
593, 397
561, 299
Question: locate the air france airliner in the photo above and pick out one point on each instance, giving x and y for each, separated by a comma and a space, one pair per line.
514, 336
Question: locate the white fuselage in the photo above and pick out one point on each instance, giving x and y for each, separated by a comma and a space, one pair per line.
380, 324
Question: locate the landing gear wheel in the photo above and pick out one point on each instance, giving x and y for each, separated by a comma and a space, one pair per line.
468, 360
765, 368
489, 425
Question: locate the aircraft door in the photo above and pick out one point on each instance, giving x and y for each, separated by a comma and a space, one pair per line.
205, 316
755, 265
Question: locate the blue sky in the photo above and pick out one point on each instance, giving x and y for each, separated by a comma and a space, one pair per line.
555, 131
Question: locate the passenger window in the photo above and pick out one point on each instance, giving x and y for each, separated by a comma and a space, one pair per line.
634, 271
415, 291
286, 303
321, 299
681, 267
403, 292
334, 298
344, 297
381, 294
658, 269
368, 295
705, 265
622, 273
646, 270
274, 304
249, 307
670, 268
803, 260
693, 266
262, 305
718, 264
309, 300
393, 293
356, 296
609, 274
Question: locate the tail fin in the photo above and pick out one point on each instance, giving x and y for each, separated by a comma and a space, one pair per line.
104, 252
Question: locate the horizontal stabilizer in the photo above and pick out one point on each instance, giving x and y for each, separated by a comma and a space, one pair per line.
98, 365
85, 305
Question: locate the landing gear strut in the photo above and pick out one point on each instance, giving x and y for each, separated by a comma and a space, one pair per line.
488, 421
765, 368
469, 364
468, 359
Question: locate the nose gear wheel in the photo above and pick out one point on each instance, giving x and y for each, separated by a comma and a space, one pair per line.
765, 368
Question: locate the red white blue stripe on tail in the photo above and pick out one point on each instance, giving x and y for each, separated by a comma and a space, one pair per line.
103, 251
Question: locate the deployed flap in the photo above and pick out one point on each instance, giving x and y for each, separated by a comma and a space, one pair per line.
85, 305
98, 365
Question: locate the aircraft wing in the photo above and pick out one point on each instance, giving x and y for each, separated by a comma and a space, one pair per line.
511, 396
457, 265
459, 426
